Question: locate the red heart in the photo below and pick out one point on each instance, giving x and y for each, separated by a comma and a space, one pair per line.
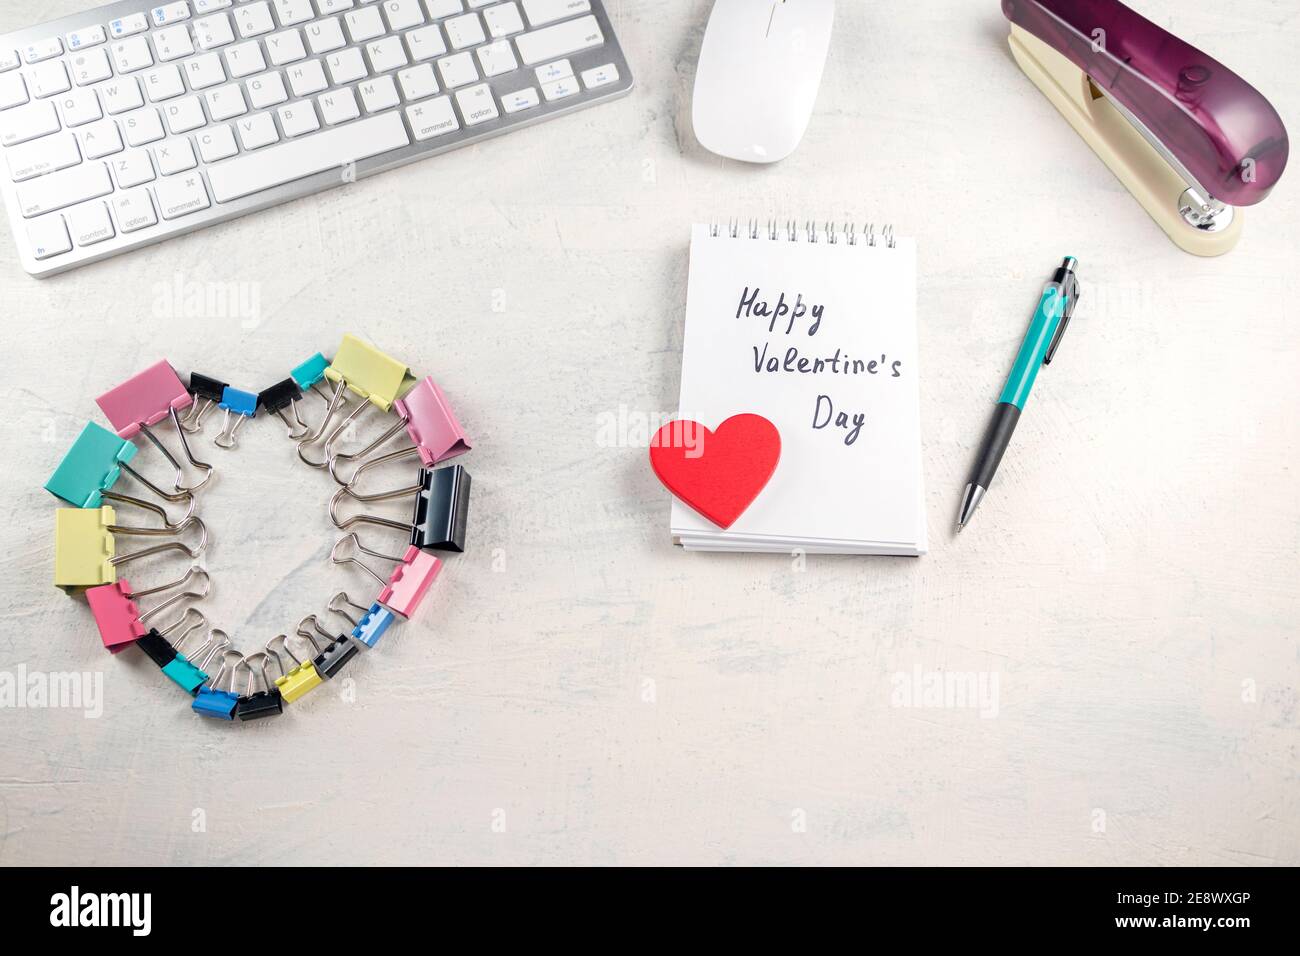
718, 473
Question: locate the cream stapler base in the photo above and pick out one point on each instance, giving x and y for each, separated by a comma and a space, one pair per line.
1142, 170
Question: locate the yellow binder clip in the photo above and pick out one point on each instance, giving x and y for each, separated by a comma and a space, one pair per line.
300, 679
370, 373
83, 547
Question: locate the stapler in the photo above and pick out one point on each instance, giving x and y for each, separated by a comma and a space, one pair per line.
1187, 136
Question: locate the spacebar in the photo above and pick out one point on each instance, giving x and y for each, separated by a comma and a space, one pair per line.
297, 158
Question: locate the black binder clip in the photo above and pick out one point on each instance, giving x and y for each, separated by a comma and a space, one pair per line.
285, 395
255, 704
336, 653
156, 645
441, 508
207, 393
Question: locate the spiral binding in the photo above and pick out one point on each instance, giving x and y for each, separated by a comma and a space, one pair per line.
811, 230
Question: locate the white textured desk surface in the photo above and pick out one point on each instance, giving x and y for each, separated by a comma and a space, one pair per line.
579, 691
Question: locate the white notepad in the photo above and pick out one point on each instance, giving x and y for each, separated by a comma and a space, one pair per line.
837, 377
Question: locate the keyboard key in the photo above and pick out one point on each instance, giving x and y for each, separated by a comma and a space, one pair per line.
298, 118
418, 81
100, 139
174, 156
244, 59
497, 58
204, 71
551, 72
254, 19
170, 13
46, 79
258, 130
477, 105
599, 76
332, 6
386, 54
79, 107
142, 127
549, 43
464, 31
90, 223
91, 66
402, 14
226, 102
541, 12
266, 89
172, 43
45, 155
132, 168
131, 54
213, 31
128, 25
163, 82
183, 115
90, 36
503, 20
120, 95
443, 8
306, 79
48, 237
378, 94
364, 24
134, 210
65, 188
21, 123
516, 102
216, 143
8, 60
345, 66
432, 118
13, 91
297, 158
293, 11
559, 89
207, 6
285, 47
425, 43
325, 35
181, 195
457, 70
43, 50
338, 106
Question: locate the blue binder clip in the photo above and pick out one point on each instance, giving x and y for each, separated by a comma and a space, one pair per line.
370, 626
239, 407
212, 701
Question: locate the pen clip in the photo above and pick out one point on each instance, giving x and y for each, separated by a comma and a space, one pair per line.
1070, 289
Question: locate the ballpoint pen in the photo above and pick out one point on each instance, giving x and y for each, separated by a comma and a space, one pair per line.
1045, 331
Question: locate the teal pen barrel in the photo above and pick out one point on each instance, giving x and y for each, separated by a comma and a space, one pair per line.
1034, 348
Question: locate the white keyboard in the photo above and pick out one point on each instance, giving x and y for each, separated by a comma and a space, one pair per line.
128, 124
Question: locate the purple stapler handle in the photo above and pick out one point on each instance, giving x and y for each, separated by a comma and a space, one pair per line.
1216, 124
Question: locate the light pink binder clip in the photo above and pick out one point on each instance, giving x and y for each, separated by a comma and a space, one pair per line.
120, 619
406, 587
429, 421
145, 400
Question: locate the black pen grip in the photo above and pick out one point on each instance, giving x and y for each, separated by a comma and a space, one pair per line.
996, 438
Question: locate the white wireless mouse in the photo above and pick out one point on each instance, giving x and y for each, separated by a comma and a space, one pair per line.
756, 83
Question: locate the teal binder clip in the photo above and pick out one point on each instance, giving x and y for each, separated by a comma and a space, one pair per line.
91, 466
310, 372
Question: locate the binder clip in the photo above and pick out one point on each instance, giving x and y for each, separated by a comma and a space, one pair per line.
373, 621
402, 592
255, 704
310, 373
338, 650
301, 678
211, 700
239, 407
146, 399
427, 417
169, 658
284, 394
92, 466
206, 392
121, 622
441, 508
1185, 135
85, 548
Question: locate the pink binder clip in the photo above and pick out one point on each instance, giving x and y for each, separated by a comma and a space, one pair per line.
145, 400
404, 590
428, 419
120, 619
